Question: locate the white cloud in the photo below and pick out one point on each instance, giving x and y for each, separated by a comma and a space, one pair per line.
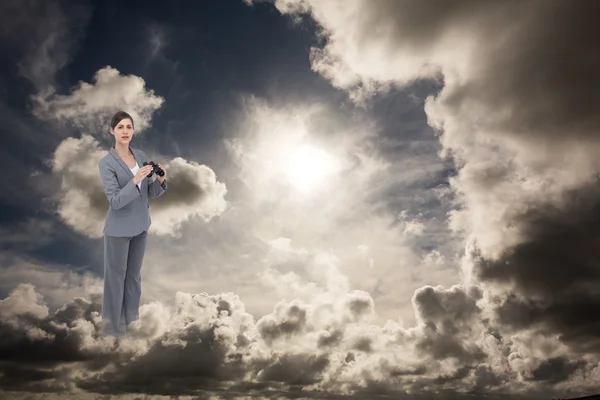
81, 202
433, 259
346, 211
298, 272
521, 126
194, 191
414, 228
503, 170
90, 106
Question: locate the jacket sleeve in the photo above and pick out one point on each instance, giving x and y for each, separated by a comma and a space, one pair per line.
117, 197
156, 189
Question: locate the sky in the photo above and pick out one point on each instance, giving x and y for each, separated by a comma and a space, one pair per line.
367, 199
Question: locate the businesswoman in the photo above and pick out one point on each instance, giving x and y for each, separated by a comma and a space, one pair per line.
127, 189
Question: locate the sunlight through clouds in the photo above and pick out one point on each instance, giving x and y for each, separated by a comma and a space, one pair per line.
307, 167
282, 154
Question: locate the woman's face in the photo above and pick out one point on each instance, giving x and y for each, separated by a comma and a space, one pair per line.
123, 131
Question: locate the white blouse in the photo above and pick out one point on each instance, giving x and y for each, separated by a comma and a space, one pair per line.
135, 170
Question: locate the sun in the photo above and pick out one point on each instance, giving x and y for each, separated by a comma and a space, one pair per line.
305, 167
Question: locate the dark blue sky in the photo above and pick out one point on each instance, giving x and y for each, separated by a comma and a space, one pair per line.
215, 51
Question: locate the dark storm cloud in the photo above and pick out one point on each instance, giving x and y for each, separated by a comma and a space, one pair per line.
296, 369
555, 370
448, 317
540, 79
554, 271
34, 344
288, 321
210, 345
195, 360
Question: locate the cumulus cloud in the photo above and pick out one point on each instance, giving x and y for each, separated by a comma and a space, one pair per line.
325, 346
89, 105
321, 338
552, 274
81, 202
194, 192
517, 113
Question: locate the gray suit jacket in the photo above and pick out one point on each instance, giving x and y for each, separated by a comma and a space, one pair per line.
128, 212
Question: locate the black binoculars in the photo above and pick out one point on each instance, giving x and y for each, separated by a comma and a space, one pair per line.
155, 168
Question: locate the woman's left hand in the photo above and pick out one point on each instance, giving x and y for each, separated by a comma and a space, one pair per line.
162, 178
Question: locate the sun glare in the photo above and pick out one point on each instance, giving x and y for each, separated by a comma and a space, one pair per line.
306, 167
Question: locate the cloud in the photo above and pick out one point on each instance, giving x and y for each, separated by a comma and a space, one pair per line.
509, 336
81, 202
521, 125
510, 155
43, 35
38, 39
194, 192
345, 214
90, 106
433, 258
321, 269
412, 227
269, 135
551, 275
57, 284
33, 338
210, 344
157, 39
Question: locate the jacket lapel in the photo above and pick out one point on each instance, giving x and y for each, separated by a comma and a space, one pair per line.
117, 157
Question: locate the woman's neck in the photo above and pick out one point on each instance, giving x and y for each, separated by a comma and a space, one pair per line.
122, 150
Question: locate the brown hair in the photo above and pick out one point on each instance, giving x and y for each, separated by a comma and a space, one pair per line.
118, 117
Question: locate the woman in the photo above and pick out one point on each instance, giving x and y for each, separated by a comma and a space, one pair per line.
127, 188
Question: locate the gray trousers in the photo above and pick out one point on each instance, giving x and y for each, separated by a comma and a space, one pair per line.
123, 257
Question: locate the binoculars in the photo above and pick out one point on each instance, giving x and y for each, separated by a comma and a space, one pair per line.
155, 169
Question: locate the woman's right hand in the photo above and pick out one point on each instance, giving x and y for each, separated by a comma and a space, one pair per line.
142, 173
